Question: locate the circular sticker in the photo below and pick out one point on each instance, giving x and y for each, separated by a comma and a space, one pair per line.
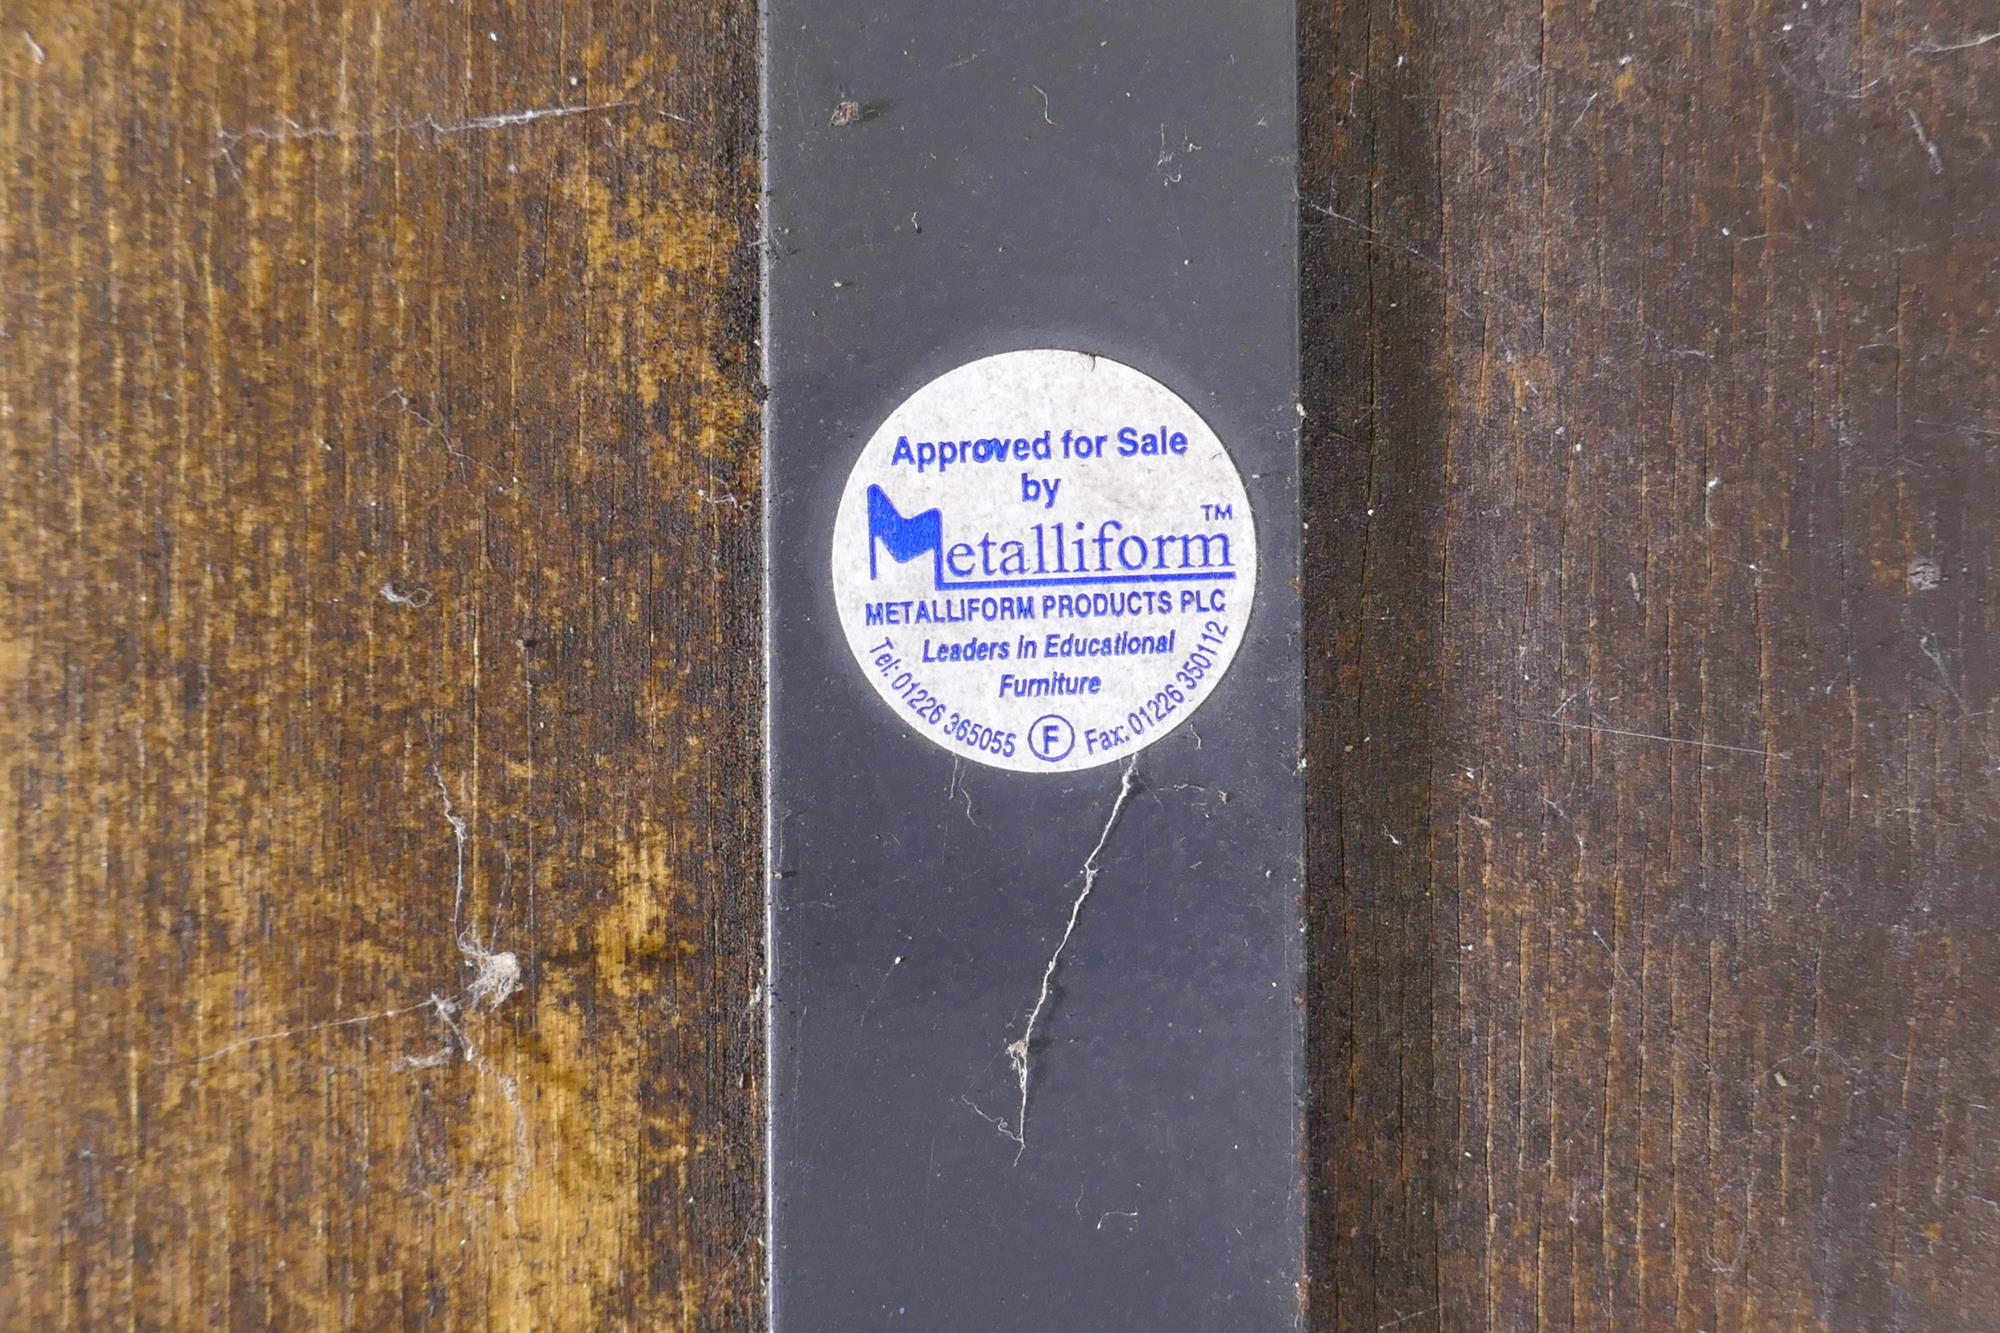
1044, 560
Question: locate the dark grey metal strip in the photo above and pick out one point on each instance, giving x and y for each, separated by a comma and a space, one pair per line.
947, 181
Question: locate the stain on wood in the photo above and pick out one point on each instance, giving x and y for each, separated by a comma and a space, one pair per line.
377, 389
1650, 437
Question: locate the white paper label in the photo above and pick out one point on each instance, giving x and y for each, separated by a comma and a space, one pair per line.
1044, 561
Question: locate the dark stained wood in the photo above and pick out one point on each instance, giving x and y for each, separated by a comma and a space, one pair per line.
1652, 422
377, 451
377, 404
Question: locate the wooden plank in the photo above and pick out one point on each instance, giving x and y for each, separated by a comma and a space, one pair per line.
1653, 403
380, 631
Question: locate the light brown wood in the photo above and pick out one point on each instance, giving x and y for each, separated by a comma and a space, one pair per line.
378, 503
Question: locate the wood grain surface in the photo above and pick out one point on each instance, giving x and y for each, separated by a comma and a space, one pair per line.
377, 388
1652, 439
380, 901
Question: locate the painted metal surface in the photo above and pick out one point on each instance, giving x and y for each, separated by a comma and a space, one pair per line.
945, 182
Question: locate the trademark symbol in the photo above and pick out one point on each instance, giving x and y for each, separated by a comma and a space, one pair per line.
1215, 511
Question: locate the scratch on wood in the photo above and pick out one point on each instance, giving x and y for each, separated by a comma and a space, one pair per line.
288, 130
1937, 162
1944, 49
1595, 729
